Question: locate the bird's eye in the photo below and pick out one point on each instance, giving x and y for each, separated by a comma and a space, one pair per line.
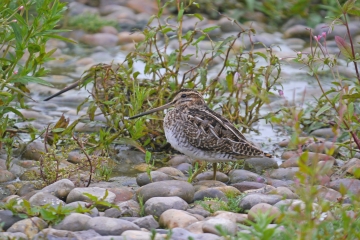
183, 95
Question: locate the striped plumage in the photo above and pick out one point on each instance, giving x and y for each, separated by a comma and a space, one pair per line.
195, 130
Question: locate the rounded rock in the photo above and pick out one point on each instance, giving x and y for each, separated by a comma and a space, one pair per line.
157, 205
170, 188
147, 222
60, 189
6, 176
263, 208
244, 175
73, 222
209, 193
258, 165
110, 226
29, 226
143, 178
176, 218
100, 39
246, 185
42, 198
222, 177
211, 226
283, 173
252, 199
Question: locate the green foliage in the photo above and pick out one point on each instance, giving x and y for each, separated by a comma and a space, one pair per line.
214, 204
90, 22
23, 53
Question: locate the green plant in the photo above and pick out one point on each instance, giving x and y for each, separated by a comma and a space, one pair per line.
90, 22
25, 29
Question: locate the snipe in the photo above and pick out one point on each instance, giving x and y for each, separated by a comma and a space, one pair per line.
195, 130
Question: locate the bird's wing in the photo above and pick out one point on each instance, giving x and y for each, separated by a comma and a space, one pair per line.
208, 130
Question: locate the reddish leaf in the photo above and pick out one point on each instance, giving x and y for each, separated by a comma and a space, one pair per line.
344, 47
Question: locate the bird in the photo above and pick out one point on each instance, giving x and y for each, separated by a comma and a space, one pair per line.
200, 133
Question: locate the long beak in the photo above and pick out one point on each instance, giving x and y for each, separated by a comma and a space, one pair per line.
153, 110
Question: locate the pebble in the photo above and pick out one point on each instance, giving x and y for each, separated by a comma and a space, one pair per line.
352, 185
181, 234
258, 165
157, 205
263, 208
147, 222
43, 198
143, 178
283, 173
178, 159
110, 226
73, 222
34, 150
139, 235
326, 133
244, 175
181, 189
209, 193
297, 31
209, 175
100, 39
176, 218
60, 189
252, 199
246, 185
7, 218
213, 224
6, 176
29, 226
129, 208
172, 172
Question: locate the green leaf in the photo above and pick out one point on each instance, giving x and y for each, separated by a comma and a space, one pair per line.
230, 81
30, 79
57, 130
209, 29
199, 16
17, 32
347, 6
322, 110
354, 96
350, 109
172, 59
354, 11
344, 47
34, 48
198, 40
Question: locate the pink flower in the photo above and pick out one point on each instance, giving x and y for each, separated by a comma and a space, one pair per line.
324, 34
316, 38
15, 72
236, 76
281, 93
20, 8
14, 20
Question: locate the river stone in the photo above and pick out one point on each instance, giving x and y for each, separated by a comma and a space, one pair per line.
229, 190
326, 133
60, 189
7, 218
100, 39
140, 235
122, 193
283, 173
184, 167
94, 212
170, 188
246, 185
26, 188
178, 159
263, 208
29, 226
157, 205
196, 227
209, 175
42, 198
110, 226
176, 218
279, 183
209, 193
73, 222
210, 183
6, 176
51, 233
211, 225
147, 222
252, 199
13, 236
285, 192
199, 210
77, 194
258, 165
293, 161
244, 175
352, 185
181, 234
34, 150
173, 172
328, 194
129, 208
288, 154
234, 217
143, 178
